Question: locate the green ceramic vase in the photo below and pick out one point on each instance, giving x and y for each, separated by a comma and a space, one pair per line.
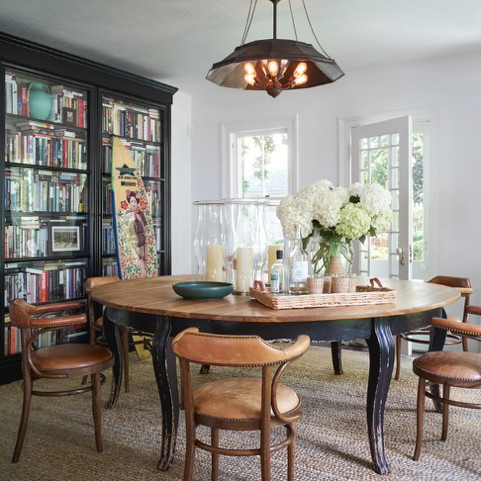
40, 102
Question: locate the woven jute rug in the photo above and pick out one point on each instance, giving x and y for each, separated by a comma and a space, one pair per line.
332, 435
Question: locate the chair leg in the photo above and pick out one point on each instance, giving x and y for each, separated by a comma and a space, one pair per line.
189, 450
124, 340
465, 344
444, 433
420, 417
291, 453
97, 410
22, 430
398, 357
215, 457
265, 455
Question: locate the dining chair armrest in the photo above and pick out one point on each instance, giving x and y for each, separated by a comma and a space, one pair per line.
476, 310
463, 328
59, 322
57, 306
297, 349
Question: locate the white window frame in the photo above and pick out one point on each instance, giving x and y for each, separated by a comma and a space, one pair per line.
432, 176
229, 162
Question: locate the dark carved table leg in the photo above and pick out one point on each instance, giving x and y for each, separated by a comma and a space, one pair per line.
381, 362
336, 354
163, 360
112, 336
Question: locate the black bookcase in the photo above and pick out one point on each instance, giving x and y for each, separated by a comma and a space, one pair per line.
57, 112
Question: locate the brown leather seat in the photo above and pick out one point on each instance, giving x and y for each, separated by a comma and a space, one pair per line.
421, 336
56, 361
458, 369
69, 357
238, 403
239, 398
97, 325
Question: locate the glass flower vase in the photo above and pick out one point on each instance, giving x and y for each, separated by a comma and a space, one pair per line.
328, 257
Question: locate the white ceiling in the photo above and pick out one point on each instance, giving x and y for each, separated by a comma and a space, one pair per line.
177, 41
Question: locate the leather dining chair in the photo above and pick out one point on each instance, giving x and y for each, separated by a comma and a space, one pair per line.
56, 361
97, 325
421, 336
238, 403
451, 369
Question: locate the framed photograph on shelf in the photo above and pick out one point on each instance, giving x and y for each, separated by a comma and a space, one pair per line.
65, 238
69, 116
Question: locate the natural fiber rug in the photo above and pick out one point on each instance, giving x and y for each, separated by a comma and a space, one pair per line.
332, 435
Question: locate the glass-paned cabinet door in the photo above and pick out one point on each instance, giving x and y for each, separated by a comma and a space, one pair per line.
46, 194
139, 127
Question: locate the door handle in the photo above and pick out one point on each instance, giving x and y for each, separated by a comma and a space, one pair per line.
400, 253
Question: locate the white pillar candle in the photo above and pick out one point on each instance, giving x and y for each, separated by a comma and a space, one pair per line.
272, 258
213, 263
245, 268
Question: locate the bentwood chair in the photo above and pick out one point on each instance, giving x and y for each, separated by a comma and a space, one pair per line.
238, 403
421, 336
458, 369
56, 361
97, 325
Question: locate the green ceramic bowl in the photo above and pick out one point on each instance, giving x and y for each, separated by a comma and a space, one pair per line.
202, 289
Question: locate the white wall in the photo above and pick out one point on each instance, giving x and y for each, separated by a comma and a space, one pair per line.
452, 85
181, 184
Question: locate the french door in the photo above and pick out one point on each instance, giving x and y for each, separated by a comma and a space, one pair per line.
381, 153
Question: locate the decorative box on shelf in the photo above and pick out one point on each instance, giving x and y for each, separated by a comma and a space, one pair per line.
364, 295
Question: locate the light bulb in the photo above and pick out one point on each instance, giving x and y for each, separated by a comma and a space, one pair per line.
300, 69
300, 80
249, 68
250, 79
273, 68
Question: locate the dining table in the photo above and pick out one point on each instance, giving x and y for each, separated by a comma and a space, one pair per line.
151, 305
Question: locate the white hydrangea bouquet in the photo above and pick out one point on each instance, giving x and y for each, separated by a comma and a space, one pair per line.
338, 214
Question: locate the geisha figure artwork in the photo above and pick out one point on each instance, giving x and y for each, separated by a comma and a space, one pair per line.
136, 251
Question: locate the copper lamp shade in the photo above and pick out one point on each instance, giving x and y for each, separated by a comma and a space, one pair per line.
274, 65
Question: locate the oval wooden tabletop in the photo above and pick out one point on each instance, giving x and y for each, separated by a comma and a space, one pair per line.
155, 296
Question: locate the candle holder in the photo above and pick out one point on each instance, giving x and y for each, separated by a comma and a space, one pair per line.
245, 242
209, 242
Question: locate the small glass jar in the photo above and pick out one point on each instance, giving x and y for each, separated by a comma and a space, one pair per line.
209, 242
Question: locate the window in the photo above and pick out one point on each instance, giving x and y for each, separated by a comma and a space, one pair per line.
260, 159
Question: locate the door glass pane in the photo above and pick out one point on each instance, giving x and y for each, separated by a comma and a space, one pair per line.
379, 166
373, 142
418, 197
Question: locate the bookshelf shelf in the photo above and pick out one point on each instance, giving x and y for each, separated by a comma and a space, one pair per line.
15, 117
57, 114
45, 167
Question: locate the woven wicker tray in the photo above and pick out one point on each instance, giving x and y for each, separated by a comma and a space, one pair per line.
364, 295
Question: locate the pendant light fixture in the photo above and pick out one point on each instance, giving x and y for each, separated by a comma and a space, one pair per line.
275, 64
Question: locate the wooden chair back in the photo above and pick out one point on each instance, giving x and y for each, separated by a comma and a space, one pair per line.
92, 314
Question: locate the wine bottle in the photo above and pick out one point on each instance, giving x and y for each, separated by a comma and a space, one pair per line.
298, 267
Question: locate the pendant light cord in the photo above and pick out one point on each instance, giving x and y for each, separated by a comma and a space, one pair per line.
312, 30
293, 21
250, 16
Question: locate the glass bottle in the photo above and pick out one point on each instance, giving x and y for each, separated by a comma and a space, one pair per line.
298, 267
278, 279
